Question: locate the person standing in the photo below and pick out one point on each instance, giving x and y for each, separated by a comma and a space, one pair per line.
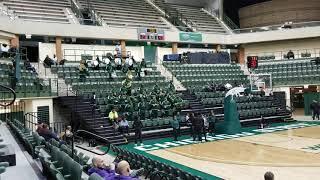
315, 108
212, 122
137, 125
205, 126
318, 110
190, 122
176, 127
198, 126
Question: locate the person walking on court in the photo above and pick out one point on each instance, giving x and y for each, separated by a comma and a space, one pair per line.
315, 108
137, 125
176, 127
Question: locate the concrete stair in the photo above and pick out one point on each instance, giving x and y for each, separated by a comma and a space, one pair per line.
91, 119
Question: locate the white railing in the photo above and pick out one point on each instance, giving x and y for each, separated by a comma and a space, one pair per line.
278, 27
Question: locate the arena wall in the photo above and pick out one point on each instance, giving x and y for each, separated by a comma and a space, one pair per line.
311, 45
279, 12
69, 50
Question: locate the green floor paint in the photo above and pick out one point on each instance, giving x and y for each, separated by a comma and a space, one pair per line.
156, 144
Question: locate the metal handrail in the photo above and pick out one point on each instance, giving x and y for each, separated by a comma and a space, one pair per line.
14, 96
277, 27
97, 137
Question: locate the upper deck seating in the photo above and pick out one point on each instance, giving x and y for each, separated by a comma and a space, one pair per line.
202, 21
130, 13
41, 10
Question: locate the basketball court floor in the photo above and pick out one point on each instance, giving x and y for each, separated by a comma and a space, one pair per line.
290, 151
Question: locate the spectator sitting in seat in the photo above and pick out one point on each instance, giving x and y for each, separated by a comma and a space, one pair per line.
290, 55
95, 63
118, 63
129, 63
67, 135
46, 133
269, 176
123, 126
143, 63
113, 115
39, 127
102, 169
29, 67
48, 61
123, 169
83, 72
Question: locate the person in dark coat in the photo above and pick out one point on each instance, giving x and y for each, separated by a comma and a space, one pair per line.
315, 108
198, 127
191, 123
46, 133
137, 125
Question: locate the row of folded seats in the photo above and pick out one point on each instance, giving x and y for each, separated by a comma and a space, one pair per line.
3, 148
292, 73
191, 75
56, 158
151, 166
257, 113
240, 100
29, 85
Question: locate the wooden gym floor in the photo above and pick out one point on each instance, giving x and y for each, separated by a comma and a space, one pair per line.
292, 154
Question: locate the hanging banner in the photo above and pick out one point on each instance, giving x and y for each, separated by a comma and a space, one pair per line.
190, 37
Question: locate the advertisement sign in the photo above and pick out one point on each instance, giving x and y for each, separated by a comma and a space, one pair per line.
190, 37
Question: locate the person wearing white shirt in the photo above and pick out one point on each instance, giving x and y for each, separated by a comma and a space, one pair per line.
106, 61
124, 126
129, 62
118, 50
4, 50
118, 63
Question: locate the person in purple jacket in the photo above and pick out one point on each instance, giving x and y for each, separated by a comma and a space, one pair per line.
103, 170
123, 169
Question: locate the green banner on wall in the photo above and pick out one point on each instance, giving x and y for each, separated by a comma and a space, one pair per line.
190, 37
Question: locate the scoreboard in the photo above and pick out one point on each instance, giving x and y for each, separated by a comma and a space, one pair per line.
151, 34
252, 62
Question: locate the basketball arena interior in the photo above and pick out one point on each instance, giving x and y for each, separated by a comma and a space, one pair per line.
159, 89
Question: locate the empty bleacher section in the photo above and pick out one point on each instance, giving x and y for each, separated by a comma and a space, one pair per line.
131, 13
291, 73
42, 10
201, 74
29, 85
201, 21
200, 78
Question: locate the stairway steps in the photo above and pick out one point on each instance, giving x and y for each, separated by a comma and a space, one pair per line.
92, 121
